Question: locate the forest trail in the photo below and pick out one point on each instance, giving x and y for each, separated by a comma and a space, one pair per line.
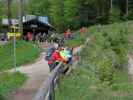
130, 66
37, 73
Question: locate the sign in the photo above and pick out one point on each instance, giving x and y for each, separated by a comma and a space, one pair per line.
33, 26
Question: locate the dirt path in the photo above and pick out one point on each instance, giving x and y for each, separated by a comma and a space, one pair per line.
37, 73
130, 66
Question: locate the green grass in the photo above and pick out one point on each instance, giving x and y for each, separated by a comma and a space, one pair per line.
9, 82
81, 86
99, 67
78, 40
25, 53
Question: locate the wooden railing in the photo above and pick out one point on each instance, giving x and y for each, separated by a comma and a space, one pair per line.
46, 91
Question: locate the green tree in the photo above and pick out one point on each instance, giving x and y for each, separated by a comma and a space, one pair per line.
1, 9
56, 14
70, 13
14, 9
38, 7
93, 11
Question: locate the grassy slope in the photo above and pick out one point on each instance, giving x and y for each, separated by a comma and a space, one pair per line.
25, 52
78, 40
9, 82
81, 85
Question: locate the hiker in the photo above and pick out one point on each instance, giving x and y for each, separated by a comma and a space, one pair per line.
29, 36
50, 51
83, 30
68, 34
61, 42
66, 54
76, 53
55, 59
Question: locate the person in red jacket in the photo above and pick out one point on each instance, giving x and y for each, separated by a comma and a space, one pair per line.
29, 36
55, 59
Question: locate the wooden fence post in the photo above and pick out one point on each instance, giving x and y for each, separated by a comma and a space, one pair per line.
52, 92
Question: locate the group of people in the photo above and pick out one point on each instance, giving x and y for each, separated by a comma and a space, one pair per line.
68, 34
39, 36
57, 54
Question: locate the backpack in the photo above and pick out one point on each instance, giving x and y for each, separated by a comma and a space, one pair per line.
49, 53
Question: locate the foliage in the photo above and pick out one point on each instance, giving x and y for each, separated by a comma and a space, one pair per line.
14, 9
102, 72
78, 40
40, 8
75, 13
70, 10
1, 11
9, 82
111, 49
114, 16
25, 53
56, 14
72, 13
88, 87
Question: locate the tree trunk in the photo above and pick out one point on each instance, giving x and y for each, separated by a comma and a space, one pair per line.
8, 3
126, 14
20, 13
111, 5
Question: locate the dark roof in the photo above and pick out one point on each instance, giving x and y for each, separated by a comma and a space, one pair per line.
31, 20
36, 23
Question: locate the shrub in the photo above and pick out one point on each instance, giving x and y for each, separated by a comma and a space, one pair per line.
78, 40
114, 16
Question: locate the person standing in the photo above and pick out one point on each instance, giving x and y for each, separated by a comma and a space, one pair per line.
29, 36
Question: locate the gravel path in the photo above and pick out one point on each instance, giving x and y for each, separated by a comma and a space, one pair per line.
130, 66
37, 73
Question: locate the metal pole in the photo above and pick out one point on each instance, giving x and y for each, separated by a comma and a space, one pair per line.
14, 46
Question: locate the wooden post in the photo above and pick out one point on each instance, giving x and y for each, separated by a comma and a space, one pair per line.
52, 92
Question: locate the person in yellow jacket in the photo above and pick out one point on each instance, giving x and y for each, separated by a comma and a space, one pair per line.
66, 54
